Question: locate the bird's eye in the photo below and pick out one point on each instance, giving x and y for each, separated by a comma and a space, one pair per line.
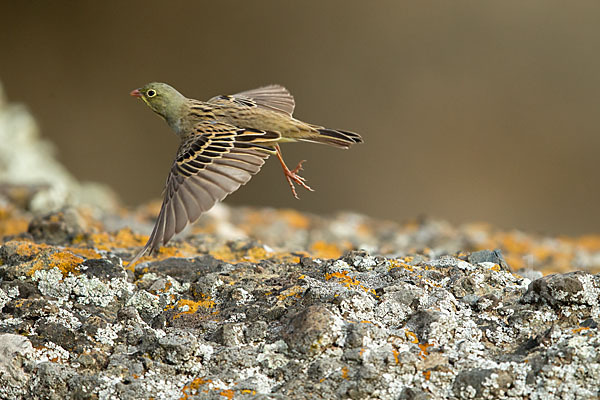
151, 93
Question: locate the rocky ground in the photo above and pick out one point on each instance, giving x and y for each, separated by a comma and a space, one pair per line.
276, 304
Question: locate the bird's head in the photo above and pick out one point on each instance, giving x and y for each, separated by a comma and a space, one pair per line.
161, 98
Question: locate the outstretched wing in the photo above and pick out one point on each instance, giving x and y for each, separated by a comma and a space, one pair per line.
272, 97
212, 163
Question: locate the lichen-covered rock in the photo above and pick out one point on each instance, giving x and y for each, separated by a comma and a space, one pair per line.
239, 321
15, 350
564, 288
312, 330
57, 228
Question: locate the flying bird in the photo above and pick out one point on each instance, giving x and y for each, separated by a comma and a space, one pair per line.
224, 142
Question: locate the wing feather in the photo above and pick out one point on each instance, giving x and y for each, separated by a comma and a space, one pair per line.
271, 97
211, 163
190, 203
220, 181
180, 208
201, 193
169, 222
240, 165
234, 174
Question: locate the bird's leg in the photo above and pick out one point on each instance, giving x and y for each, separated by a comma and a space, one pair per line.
292, 176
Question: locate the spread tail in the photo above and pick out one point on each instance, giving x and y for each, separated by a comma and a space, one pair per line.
332, 137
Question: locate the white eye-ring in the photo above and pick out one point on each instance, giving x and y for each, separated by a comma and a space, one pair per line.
151, 93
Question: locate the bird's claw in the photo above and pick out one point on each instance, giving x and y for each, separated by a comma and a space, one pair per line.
292, 177
298, 169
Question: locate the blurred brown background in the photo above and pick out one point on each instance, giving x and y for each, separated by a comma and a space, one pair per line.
470, 110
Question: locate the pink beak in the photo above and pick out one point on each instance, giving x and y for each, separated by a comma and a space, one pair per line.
135, 93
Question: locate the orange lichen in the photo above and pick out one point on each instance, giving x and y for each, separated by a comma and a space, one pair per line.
321, 249
411, 226
424, 347
256, 254
397, 263
549, 255
193, 386
412, 337
294, 291
149, 210
19, 303
121, 239
516, 261
396, 353
295, 219
206, 228
516, 243
26, 248
46, 257
363, 230
344, 372
65, 261
84, 252
580, 329
252, 255
253, 218
588, 242
10, 223
181, 250
190, 306
427, 374
348, 281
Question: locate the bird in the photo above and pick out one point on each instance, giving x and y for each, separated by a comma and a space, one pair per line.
224, 142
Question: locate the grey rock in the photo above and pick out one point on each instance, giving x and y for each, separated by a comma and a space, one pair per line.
104, 269
481, 383
59, 227
257, 331
312, 330
15, 351
178, 346
413, 394
559, 289
494, 257
231, 334
530, 274
51, 381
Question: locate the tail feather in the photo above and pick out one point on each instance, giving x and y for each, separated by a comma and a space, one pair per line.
333, 137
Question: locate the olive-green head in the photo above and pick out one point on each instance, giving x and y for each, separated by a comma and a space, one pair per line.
161, 98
